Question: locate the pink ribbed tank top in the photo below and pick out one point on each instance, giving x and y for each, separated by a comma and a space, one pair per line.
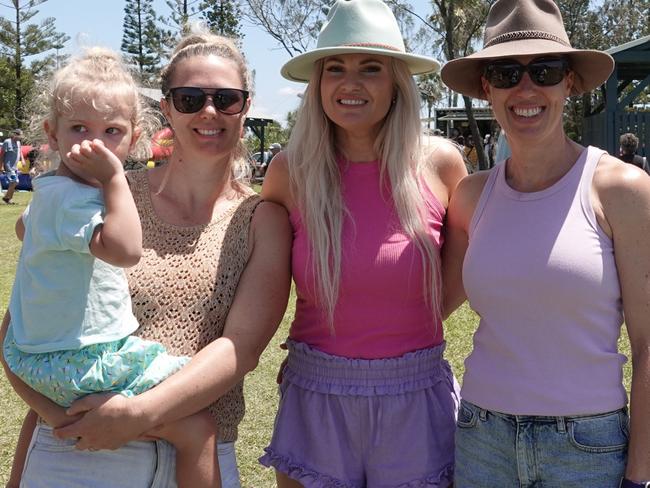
541, 274
381, 311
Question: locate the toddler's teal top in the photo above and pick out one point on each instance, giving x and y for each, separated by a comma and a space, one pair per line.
63, 297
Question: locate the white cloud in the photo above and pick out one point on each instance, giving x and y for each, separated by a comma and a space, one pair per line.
286, 91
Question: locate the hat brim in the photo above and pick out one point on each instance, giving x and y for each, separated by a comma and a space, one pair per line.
591, 68
300, 68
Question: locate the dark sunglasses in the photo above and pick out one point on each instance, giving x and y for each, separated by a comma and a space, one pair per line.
190, 99
542, 71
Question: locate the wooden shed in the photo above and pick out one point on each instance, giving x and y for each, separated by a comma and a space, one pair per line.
618, 114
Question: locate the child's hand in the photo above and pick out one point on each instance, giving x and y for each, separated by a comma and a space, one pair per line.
93, 161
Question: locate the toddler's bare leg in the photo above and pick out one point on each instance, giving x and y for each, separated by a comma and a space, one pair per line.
195, 440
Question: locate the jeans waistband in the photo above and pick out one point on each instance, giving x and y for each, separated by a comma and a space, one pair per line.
560, 420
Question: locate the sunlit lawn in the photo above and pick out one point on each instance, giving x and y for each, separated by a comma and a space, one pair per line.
260, 386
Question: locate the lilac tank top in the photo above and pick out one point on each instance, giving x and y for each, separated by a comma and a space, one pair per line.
381, 311
541, 274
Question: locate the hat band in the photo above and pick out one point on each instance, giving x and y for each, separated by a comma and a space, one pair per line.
372, 44
528, 34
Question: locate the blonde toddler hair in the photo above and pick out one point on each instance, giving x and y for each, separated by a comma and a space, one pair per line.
100, 78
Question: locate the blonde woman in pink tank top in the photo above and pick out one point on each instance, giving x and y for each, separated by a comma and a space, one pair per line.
367, 399
552, 249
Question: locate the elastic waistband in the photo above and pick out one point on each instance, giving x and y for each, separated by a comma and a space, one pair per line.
319, 371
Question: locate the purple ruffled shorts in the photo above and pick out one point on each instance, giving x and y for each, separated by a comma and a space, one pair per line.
380, 423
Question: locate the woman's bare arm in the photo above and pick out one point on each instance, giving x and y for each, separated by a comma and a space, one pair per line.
624, 193
258, 308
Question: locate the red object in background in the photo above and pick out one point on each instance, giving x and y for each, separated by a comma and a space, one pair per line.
26, 149
162, 144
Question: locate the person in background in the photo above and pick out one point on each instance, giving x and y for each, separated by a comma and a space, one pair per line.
274, 149
503, 149
11, 154
367, 399
629, 143
488, 148
470, 153
552, 248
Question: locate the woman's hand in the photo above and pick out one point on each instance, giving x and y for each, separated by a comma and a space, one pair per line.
110, 421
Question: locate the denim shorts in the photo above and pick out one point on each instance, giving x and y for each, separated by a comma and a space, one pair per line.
359, 423
495, 450
55, 463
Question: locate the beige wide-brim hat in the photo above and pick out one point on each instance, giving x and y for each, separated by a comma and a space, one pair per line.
523, 28
358, 26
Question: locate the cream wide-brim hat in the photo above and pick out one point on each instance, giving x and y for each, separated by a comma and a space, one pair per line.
358, 26
526, 28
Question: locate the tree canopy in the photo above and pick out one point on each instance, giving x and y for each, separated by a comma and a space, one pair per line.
20, 41
142, 39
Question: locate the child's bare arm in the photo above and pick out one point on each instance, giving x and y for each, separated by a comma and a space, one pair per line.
119, 240
20, 455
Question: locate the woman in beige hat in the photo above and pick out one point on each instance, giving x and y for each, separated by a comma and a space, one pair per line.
366, 398
553, 251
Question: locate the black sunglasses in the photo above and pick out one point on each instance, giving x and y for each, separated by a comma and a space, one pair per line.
542, 71
190, 99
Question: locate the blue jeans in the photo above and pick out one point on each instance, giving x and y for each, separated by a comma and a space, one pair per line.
501, 450
54, 463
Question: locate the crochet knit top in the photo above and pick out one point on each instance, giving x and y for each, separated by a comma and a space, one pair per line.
185, 282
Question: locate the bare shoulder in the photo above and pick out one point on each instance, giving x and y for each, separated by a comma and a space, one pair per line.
269, 217
276, 187
465, 198
443, 167
620, 187
442, 155
470, 188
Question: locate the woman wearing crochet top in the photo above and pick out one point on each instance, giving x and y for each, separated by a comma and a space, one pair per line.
553, 250
366, 396
212, 283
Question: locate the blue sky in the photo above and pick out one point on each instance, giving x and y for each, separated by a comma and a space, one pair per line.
99, 22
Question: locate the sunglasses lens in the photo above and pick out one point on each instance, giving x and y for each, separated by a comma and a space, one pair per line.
188, 100
547, 73
229, 101
503, 75
543, 72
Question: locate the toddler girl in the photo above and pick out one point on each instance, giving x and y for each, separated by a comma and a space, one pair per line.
70, 306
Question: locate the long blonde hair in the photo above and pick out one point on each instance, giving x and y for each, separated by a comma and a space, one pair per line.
316, 183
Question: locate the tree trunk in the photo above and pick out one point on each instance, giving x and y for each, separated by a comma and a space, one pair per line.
19, 63
483, 162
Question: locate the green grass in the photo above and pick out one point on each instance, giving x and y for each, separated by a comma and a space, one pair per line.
260, 386
12, 409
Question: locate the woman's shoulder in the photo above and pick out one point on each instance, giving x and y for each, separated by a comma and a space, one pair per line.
466, 197
439, 150
269, 216
443, 167
276, 187
620, 187
613, 176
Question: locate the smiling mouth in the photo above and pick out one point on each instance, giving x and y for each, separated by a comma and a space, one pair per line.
528, 111
209, 132
351, 102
